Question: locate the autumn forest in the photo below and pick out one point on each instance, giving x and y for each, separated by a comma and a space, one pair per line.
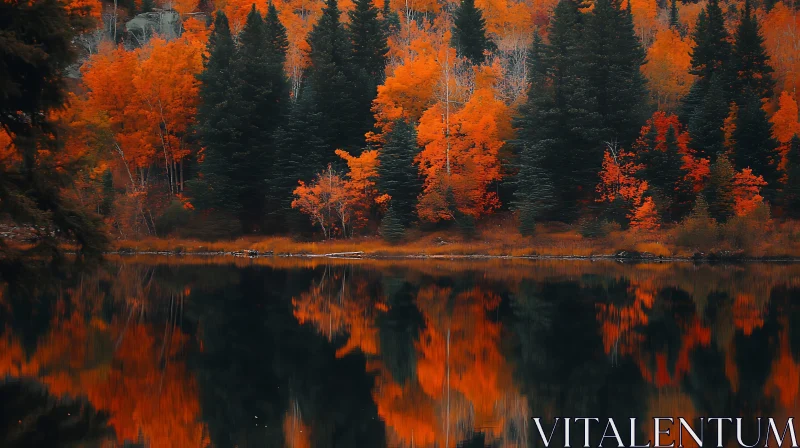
671, 121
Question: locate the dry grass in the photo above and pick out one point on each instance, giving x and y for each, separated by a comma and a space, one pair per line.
491, 240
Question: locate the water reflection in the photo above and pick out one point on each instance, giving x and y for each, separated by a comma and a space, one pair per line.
315, 353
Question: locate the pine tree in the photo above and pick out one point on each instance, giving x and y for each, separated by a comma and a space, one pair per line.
238, 136
664, 173
469, 32
392, 229
754, 146
147, 6
707, 121
749, 61
710, 56
560, 116
397, 175
276, 107
368, 36
391, 20
301, 150
674, 18
331, 79
215, 128
613, 56
791, 189
534, 196
719, 191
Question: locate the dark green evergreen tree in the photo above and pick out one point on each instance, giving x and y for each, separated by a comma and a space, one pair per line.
277, 44
749, 61
791, 189
392, 229
368, 37
754, 146
559, 117
36, 48
391, 20
707, 121
664, 173
674, 18
710, 56
534, 196
301, 151
397, 175
469, 32
719, 190
613, 56
147, 6
331, 78
237, 130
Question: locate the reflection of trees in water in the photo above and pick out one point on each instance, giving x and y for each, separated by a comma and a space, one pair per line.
32, 418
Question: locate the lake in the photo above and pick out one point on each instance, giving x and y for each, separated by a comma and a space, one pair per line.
290, 352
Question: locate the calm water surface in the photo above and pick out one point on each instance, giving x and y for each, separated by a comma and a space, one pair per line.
169, 352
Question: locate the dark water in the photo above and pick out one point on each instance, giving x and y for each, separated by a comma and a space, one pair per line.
279, 353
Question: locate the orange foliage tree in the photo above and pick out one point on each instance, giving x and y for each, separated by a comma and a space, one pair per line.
747, 192
460, 156
781, 28
667, 68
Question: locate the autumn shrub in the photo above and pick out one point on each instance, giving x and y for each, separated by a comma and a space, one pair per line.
593, 227
174, 217
698, 231
745, 232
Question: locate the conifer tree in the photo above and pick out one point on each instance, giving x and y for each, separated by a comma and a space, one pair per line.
560, 117
238, 137
664, 173
613, 56
710, 56
368, 36
791, 189
719, 190
674, 18
534, 196
754, 146
707, 121
469, 32
392, 229
397, 175
331, 79
215, 129
749, 61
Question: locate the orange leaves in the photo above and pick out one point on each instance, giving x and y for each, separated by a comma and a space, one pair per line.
667, 68
785, 123
460, 158
746, 192
617, 178
645, 216
781, 29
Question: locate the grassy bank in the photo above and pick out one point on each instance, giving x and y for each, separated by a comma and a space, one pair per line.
773, 241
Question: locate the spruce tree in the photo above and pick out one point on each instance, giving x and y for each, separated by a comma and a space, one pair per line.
707, 121
392, 229
613, 56
330, 77
277, 103
754, 146
791, 189
215, 128
560, 116
368, 37
664, 173
749, 61
397, 175
534, 196
469, 32
710, 56
719, 190
674, 18
301, 150
238, 136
